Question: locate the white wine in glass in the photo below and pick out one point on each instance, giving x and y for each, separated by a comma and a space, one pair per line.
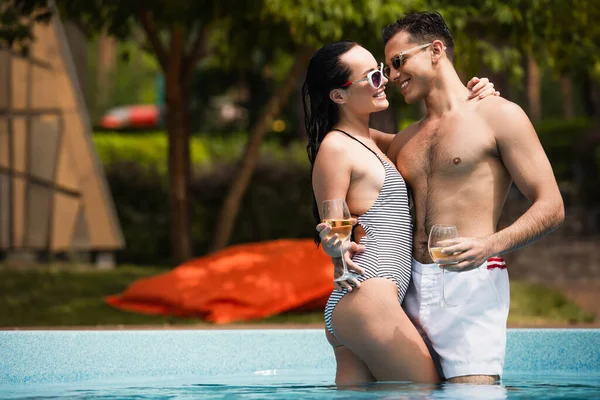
336, 213
438, 234
341, 227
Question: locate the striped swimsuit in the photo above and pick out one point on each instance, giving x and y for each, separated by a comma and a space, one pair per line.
388, 237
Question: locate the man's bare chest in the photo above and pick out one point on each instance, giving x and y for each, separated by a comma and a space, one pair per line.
443, 153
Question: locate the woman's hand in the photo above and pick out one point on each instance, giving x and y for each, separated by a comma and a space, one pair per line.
481, 88
332, 246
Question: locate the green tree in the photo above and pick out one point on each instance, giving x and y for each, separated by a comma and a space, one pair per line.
16, 19
181, 33
571, 43
293, 30
561, 35
490, 32
178, 34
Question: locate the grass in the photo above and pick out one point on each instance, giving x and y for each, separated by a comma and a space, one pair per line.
534, 304
56, 296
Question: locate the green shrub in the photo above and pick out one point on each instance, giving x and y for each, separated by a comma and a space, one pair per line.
573, 148
561, 140
149, 149
276, 205
278, 201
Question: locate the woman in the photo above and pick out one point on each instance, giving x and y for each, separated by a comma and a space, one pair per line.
372, 337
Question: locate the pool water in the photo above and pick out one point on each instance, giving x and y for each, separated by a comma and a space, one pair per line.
261, 364
293, 385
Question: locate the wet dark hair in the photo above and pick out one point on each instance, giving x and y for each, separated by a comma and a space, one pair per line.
422, 27
325, 72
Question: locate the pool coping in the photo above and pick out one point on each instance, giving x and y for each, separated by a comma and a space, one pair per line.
250, 326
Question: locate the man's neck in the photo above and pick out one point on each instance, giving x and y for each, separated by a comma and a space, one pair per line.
447, 93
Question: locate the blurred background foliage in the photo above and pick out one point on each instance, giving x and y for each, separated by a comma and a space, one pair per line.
225, 77
277, 203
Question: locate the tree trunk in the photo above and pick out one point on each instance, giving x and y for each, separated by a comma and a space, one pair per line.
566, 89
177, 101
230, 209
385, 121
534, 100
179, 173
177, 67
591, 97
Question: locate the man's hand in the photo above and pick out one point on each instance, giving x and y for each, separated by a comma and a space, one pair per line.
338, 267
465, 254
481, 88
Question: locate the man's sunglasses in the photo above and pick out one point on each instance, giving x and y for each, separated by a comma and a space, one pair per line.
399, 60
375, 78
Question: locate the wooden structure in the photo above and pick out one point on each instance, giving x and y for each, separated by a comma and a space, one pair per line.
53, 193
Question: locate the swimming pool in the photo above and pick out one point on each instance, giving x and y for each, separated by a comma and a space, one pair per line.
264, 364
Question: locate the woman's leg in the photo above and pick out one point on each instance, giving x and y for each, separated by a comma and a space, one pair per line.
371, 323
350, 370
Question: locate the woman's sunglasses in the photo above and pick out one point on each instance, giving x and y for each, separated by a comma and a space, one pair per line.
375, 78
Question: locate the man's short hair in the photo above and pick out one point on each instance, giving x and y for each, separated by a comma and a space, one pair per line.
422, 27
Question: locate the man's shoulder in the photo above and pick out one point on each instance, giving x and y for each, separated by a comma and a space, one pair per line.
504, 117
497, 108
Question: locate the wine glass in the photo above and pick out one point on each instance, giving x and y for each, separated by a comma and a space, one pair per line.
336, 213
438, 234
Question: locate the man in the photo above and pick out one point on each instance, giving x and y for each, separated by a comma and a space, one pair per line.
460, 161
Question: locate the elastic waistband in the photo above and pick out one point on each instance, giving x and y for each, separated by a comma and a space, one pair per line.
429, 269
425, 269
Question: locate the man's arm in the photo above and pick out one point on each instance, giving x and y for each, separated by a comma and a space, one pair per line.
528, 165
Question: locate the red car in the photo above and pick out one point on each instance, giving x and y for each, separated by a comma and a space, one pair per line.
137, 116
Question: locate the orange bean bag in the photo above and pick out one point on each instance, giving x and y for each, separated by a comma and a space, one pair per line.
242, 282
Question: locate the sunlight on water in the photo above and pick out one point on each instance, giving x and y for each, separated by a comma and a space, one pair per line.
276, 384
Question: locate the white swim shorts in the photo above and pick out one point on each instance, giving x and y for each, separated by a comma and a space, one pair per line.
469, 339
